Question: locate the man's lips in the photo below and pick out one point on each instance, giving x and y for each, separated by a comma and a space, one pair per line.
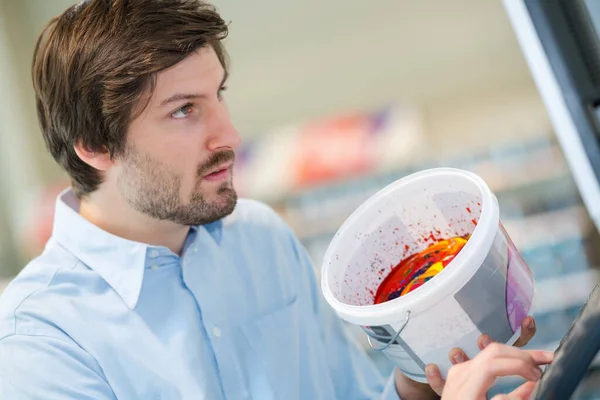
218, 173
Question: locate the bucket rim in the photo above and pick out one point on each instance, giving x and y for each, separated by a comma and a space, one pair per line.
464, 265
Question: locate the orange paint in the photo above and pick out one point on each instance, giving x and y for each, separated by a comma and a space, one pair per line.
417, 269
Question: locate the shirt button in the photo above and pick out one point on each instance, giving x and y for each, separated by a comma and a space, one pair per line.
217, 332
154, 253
154, 267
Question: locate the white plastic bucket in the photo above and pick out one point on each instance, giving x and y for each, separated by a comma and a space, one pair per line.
487, 288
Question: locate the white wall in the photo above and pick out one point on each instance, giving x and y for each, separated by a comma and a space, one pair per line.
19, 179
298, 59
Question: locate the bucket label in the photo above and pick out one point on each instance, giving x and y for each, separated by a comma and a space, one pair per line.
519, 286
504, 275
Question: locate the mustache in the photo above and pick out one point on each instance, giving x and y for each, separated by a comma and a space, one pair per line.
215, 160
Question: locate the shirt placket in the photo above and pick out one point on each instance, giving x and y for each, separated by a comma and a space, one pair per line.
203, 273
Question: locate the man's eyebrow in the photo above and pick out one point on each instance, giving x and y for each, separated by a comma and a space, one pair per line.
190, 96
181, 96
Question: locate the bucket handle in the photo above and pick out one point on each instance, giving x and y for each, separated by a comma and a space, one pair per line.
392, 340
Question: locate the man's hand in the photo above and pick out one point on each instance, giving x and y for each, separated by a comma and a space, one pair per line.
409, 389
472, 379
458, 356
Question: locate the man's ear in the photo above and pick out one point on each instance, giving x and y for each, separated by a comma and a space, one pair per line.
100, 160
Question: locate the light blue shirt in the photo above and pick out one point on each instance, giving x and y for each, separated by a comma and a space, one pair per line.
238, 316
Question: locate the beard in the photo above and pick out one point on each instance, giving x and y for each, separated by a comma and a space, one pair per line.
151, 188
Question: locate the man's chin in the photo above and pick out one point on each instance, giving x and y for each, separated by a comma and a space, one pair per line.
223, 203
231, 198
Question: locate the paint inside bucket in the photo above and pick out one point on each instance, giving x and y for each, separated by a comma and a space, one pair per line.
419, 268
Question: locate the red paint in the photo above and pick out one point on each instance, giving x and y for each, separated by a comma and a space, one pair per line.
474, 221
406, 247
405, 276
468, 210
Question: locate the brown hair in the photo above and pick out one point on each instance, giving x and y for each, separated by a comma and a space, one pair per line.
93, 64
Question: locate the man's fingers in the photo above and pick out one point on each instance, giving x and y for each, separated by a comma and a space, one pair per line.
434, 378
504, 397
457, 356
523, 392
513, 366
541, 357
497, 350
527, 331
484, 341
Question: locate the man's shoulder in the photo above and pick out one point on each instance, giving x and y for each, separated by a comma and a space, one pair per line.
32, 288
255, 225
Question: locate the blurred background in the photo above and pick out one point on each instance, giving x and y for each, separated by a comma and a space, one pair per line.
336, 99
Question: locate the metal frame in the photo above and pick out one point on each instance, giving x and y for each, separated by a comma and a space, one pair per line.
566, 86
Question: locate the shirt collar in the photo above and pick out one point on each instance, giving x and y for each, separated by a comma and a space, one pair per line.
120, 262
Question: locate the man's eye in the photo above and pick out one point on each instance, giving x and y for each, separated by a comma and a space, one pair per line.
182, 112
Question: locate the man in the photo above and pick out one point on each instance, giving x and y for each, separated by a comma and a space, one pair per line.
157, 282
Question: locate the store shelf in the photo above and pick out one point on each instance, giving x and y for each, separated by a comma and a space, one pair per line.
564, 292
321, 211
550, 227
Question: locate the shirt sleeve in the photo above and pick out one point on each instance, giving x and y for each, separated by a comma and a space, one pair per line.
354, 373
41, 367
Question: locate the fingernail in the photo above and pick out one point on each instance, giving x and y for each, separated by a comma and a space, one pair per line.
459, 358
430, 370
486, 341
531, 324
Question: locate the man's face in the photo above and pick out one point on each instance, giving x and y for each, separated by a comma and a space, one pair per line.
180, 151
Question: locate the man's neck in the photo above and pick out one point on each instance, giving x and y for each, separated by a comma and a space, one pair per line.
115, 216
